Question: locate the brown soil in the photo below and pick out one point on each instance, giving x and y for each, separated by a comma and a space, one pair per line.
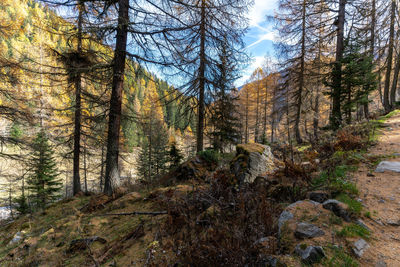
380, 196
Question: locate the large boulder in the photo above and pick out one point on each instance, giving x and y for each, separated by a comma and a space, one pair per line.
310, 254
392, 166
251, 161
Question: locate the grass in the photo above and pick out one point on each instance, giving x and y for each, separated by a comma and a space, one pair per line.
391, 114
339, 258
368, 214
354, 230
355, 206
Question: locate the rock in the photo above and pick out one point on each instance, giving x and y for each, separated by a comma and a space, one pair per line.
393, 166
337, 207
360, 246
318, 196
270, 261
284, 217
362, 224
310, 254
393, 222
370, 175
381, 200
17, 237
396, 154
266, 245
252, 160
380, 263
308, 230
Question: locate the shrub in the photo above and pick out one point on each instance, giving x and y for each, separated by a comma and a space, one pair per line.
210, 155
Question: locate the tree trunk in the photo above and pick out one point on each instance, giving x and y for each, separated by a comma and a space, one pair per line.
85, 168
395, 81
256, 132
202, 82
386, 100
336, 116
372, 49
102, 168
78, 111
301, 78
114, 123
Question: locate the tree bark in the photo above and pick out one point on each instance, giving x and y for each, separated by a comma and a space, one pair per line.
372, 49
395, 81
78, 112
386, 100
202, 68
336, 116
114, 123
301, 78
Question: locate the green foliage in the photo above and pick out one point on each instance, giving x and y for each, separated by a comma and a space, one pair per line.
358, 80
339, 258
354, 205
153, 156
210, 155
336, 180
354, 230
224, 113
174, 156
43, 183
22, 204
16, 131
368, 214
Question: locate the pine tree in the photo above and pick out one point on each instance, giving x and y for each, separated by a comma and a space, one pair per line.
174, 156
223, 116
43, 184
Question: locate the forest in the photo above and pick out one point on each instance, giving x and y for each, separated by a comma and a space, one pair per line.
102, 96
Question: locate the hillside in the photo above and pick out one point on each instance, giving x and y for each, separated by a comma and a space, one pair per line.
205, 217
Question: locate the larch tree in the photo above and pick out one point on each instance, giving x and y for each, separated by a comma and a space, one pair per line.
204, 25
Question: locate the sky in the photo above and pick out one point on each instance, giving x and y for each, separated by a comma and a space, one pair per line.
260, 37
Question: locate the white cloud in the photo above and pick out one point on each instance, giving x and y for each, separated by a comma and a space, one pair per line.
260, 9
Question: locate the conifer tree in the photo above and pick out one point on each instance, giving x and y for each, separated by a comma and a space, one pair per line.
43, 183
174, 156
223, 118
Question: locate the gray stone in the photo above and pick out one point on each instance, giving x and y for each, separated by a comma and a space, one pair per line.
393, 222
249, 164
284, 217
360, 246
308, 230
393, 166
362, 224
271, 261
380, 263
381, 200
17, 237
338, 208
396, 154
318, 196
310, 254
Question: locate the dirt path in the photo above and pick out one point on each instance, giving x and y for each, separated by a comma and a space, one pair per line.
380, 195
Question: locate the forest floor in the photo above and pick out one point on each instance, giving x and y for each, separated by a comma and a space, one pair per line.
380, 195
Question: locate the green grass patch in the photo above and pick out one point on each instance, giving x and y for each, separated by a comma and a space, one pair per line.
391, 114
339, 258
368, 214
354, 205
354, 230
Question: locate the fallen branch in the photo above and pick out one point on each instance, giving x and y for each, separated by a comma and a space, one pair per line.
155, 213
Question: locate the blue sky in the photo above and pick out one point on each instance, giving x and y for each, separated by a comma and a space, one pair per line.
260, 37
